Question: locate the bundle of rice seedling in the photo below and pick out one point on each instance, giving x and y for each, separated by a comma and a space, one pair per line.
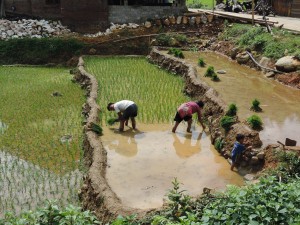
112, 121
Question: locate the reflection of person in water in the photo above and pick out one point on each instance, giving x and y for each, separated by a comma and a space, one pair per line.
186, 149
126, 144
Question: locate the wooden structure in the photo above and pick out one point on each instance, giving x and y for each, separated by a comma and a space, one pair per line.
287, 7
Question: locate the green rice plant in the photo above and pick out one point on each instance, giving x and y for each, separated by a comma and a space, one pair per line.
256, 106
210, 71
219, 144
226, 122
135, 79
214, 77
201, 62
176, 52
232, 110
111, 121
255, 122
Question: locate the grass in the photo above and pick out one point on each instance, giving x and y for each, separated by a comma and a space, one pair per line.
156, 92
35, 162
258, 39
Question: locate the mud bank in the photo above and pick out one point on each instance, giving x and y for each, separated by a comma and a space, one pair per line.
95, 194
214, 109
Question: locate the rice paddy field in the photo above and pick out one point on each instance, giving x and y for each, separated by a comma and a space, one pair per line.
142, 163
156, 92
40, 137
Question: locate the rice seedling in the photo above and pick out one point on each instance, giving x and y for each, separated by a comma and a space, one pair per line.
201, 62
210, 71
111, 121
30, 144
256, 106
156, 92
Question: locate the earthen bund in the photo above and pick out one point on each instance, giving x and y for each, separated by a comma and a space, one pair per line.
96, 194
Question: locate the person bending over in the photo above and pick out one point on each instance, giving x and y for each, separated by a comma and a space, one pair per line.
125, 109
185, 112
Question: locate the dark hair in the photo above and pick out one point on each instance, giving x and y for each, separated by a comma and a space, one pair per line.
200, 104
108, 106
239, 137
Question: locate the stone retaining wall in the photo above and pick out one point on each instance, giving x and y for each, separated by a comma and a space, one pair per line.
215, 108
95, 194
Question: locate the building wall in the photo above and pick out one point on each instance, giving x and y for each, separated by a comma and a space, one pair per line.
85, 15
138, 14
295, 11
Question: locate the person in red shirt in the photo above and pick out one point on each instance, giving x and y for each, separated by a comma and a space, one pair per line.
185, 112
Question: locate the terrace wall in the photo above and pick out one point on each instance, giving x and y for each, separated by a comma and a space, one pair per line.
95, 194
215, 108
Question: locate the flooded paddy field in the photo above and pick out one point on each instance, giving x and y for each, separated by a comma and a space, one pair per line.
143, 163
241, 85
40, 137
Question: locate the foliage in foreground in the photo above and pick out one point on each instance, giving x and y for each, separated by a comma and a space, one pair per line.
258, 39
51, 214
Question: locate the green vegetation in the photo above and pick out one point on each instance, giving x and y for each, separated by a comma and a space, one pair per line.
210, 71
258, 39
41, 147
255, 122
38, 51
125, 78
176, 52
111, 121
256, 106
171, 39
214, 77
226, 122
232, 110
52, 214
201, 62
218, 144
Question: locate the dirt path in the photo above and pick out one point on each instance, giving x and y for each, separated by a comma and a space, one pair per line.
289, 23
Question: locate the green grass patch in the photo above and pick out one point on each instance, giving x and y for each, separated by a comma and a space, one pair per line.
156, 92
258, 39
37, 120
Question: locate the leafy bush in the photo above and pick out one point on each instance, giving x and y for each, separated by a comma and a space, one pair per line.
247, 38
275, 50
267, 202
289, 165
226, 122
201, 62
255, 122
38, 51
210, 71
256, 106
218, 144
52, 214
232, 110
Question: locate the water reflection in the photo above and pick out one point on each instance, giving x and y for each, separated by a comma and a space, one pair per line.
188, 145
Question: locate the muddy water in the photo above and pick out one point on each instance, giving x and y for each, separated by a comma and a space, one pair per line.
240, 85
142, 164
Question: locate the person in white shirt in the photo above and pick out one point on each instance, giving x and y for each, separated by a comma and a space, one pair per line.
125, 109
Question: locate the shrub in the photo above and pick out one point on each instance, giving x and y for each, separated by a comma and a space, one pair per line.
218, 144
210, 71
247, 38
255, 122
201, 62
255, 106
226, 122
163, 39
275, 50
232, 110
